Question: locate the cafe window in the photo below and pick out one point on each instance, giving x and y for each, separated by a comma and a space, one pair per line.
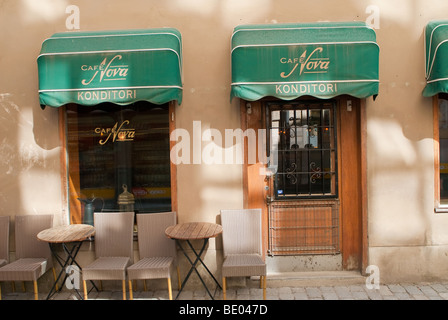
303, 136
113, 149
443, 150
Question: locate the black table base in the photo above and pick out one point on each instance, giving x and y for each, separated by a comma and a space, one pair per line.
69, 260
194, 266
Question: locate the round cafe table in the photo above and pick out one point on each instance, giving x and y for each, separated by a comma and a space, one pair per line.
194, 231
71, 234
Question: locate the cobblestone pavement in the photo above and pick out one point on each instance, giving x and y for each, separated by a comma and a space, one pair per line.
341, 291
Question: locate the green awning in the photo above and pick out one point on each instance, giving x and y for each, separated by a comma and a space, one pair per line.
436, 53
121, 67
287, 61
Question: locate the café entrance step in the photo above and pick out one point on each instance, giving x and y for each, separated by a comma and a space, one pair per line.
315, 278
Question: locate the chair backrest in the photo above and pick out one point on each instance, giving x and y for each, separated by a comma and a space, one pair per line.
26, 229
241, 231
114, 234
152, 241
4, 238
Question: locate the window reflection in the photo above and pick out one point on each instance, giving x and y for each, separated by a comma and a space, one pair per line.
443, 145
110, 146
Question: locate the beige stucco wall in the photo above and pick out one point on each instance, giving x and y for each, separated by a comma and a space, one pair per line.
406, 237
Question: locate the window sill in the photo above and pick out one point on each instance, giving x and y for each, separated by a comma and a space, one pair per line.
441, 209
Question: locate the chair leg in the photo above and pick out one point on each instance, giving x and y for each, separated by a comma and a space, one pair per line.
0, 291
131, 296
23, 286
144, 285
85, 290
224, 288
55, 278
179, 284
36, 294
264, 287
170, 290
123, 282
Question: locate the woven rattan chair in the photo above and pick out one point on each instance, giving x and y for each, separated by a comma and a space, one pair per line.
242, 246
4, 240
33, 257
157, 252
113, 248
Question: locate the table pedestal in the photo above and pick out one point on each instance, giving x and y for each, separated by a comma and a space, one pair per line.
194, 268
70, 260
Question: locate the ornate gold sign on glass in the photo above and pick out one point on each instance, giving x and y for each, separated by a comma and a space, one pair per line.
116, 133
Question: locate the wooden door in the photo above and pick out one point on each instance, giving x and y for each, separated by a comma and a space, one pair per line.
351, 184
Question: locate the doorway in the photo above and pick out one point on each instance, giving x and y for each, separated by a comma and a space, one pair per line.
314, 199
